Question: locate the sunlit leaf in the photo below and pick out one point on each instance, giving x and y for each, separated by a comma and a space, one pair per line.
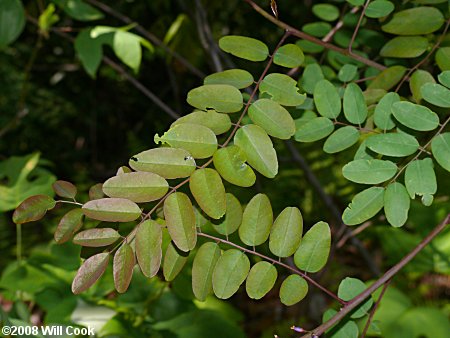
127, 47
238, 78
96, 191
148, 242
405, 47
420, 179
415, 21
258, 148
230, 163
436, 94
415, 116
217, 122
223, 98
383, 111
12, 21
174, 261
417, 80
96, 237
232, 219
314, 249
355, 109
273, 118
208, 190
364, 206
369, 171
202, 269
396, 204
260, 280
124, 262
166, 162
230, 272
326, 12
286, 232
256, 221
64, 189
112, 210
341, 139
91, 270
440, 146
350, 288
379, 9
289, 56
388, 78
282, 88
293, 289
444, 78
70, 223
314, 130
393, 144
33, 209
327, 99
180, 221
244, 47
199, 141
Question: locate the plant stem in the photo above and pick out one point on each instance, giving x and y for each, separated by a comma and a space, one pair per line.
355, 32
374, 309
382, 280
19, 243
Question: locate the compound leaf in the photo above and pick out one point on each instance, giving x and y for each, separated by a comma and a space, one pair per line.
350, 288
289, 56
327, 99
33, 209
405, 47
217, 122
282, 88
393, 144
202, 269
230, 163
415, 116
293, 289
261, 279
64, 189
256, 221
415, 21
396, 204
369, 171
96, 237
355, 109
364, 205
221, 97
286, 232
420, 179
70, 223
148, 243
244, 47
124, 262
112, 210
315, 129
238, 78
89, 272
341, 139
436, 94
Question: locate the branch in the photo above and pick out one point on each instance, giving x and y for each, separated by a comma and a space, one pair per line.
355, 32
374, 309
351, 305
308, 37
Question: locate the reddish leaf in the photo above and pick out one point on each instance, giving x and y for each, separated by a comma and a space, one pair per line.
33, 209
148, 247
96, 237
91, 270
64, 189
112, 210
124, 262
96, 192
70, 223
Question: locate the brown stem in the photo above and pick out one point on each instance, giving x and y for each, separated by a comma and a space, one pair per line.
355, 32
308, 37
351, 305
374, 309
277, 262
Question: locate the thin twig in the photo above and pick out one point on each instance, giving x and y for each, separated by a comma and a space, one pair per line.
374, 309
338, 26
308, 37
351, 305
355, 32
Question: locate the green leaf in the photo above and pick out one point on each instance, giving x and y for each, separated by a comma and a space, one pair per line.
208, 190
91, 270
396, 204
420, 179
379, 9
230, 272
417, 80
124, 262
355, 109
314, 130
383, 111
326, 12
199, 141
174, 261
96, 192
148, 243
405, 47
79, 10
33, 209
388, 78
136, 186
258, 148
347, 73
221, 97
96, 237
369, 171
415, 21
47, 19
244, 47
230, 163
290, 56
372, 96
202, 269
313, 252
443, 58
166, 162
127, 47
12, 21
233, 217
444, 78
317, 29
256, 221
64, 189
327, 99
393, 144
415, 116
440, 146
273, 118
70, 223
364, 206
282, 88
112, 210
260, 280
286, 232
238, 78
436, 94
350, 288
344, 329
311, 76
180, 221
293, 289
218, 123
341, 139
